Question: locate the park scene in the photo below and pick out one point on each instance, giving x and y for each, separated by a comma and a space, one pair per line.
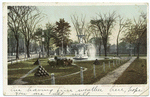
77, 45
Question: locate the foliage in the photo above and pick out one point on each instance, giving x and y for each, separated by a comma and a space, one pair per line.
28, 25
62, 31
15, 16
122, 28
38, 34
137, 32
105, 24
49, 33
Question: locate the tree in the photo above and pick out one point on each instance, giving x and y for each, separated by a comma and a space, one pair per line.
105, 25
11, 42
28, 25
137, 32
62, 33
38, 36
87, 32
78, 25
122, 25
15, 16
97, 37
49, 33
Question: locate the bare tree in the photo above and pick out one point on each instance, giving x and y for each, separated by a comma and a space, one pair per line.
137, 32
78, 24
28, 25
96, 34
105, 24
140, 31
122, 25
87, 32
15, 15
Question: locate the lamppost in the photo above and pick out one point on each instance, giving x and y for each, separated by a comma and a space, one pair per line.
43, 39
62, 47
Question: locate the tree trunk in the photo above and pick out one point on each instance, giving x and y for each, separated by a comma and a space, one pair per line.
117, 47
17, 49
100, 48
105, 46
66, 50
28, 52
134, 51
117, 43
138, 51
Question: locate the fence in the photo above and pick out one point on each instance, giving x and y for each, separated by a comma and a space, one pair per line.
11, 61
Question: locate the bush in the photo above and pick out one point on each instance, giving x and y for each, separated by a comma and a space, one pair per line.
60, 62
68, 62
52, 63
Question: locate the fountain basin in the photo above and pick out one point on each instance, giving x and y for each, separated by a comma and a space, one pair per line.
80, 58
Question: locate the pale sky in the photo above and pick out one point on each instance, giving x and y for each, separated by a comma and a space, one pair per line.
54, 13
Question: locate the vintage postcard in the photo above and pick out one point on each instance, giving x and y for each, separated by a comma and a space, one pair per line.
75, 49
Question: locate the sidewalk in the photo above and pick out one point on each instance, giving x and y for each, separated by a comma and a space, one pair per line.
21, 56
111, 77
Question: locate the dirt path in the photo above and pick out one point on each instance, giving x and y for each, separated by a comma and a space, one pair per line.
111, 77
19, 81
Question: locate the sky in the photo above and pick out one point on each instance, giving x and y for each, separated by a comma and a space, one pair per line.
54, 13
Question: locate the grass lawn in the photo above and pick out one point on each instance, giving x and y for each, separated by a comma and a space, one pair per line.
73, 79
122, 55
16, 70
136, 73
58, 71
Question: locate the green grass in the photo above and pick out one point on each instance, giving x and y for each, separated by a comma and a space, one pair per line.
16, 70
73, 79
58, 71
136, 73
88, 75
19, 69
122, 55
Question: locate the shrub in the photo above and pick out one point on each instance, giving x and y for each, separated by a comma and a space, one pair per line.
55, 58
52, 63
60, 62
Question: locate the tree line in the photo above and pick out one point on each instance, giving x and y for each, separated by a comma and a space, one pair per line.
23, 22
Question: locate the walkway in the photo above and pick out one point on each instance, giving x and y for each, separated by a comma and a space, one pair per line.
111, 77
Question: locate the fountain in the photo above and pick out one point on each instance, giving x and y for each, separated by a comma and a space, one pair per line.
92, 51
81, 53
